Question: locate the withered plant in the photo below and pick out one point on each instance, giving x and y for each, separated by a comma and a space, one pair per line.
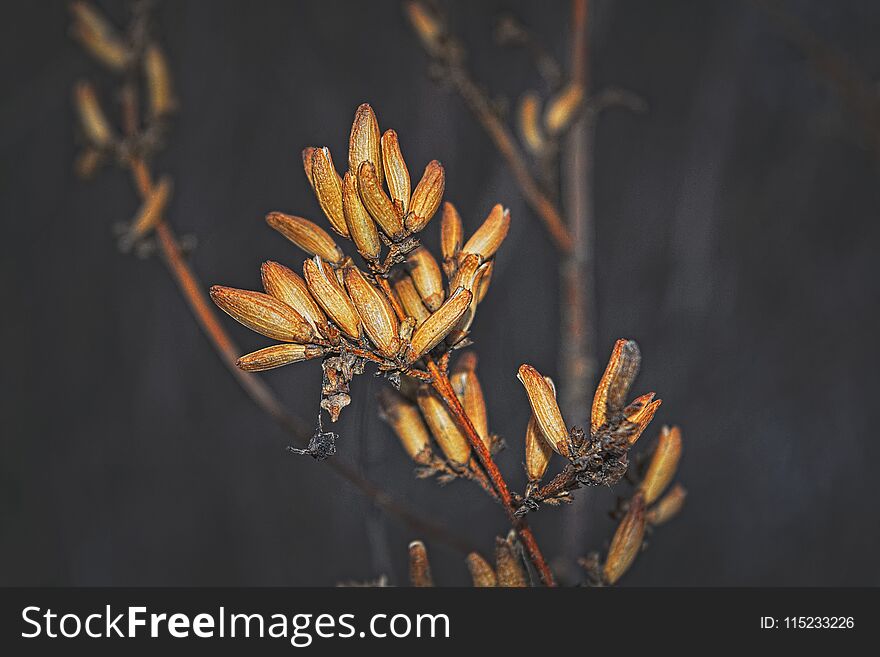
394, 307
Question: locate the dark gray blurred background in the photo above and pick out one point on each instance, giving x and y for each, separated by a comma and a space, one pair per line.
737, 227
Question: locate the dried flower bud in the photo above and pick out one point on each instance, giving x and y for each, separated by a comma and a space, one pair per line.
288, 287
668, 506
363, 143
426, 25
627, 541
426, 197
484, 278
529, 119
664, 463
427, 277
443, 427
615, 382
330, 295
542, 398
419, 567
396, 173
92, 118
508, 565
481, 572
277, 356
538, 451
161, 92
406, 421
450, 237
466, 276
467, 388
328, 189
563, 108
361, 226
439, 324
307, 235
489, 236
640, 413
377, 202
99, 37
151, 210
410, 298
375, 311
262, 313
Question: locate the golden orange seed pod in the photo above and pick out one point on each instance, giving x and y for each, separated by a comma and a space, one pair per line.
419, 566
361, 227
406, 421
508, 565
627, 541
623, 365
377, 202
331, 296
444, 428
364, 141
328, 189
410, 298
307, 235
396, 173
664, 463
262, 313
451, 235
542, 398
482, 573
467, 388
668, 506
426, 276
426, 197
376, 313
489, 236
439, 324
288, 287
277, 356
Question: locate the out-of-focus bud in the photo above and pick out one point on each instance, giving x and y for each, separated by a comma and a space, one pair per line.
426, 276
87, 163
263, 314
150, 211
330, 295
375, 311
469, 392
410, 298
419, 567
277, 356
439, 324
668, 506
92, 118
288, 287
396, 173
481, 572
489, 236
450, 237
361, 227
328, 189
444, 429
307, 235
664, 463
99, 37
621, 371
627, 541
508, 565
426, 25
377, 202
529, 119
426, 197
542, 398
161, 91
563, 108
364, 141
406, 421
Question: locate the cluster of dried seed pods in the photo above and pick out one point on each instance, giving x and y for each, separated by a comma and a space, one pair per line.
400, 306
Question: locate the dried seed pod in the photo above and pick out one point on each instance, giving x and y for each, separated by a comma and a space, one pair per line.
328, 189
330, 295
529, 120
410, 298
481, 572
406, 421
466, 276
563, 108
307, 154
489, 236
621, 371
426, 275
396, 173
363, 143
307, 235
419, 567
444, 428
263, 314
451, 233
361, 227
376, 313
92, 118
161, 92
640, 413
99, 37
288, 287
664, 463
508, 565
277, 356
377, 202
542, 398
426, 197
484, 278
538, 451
627, 541
668, 506
439, 324
151, 210
469, 392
